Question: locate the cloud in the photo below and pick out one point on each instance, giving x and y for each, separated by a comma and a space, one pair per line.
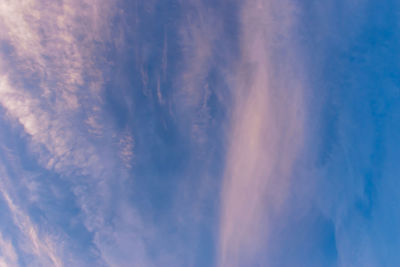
266, 134
51, 81
198, 33
8, 257
39, 245
311, 151
268, 93
53, 45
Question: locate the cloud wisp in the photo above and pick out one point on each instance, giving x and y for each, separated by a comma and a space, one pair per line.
310, 156
51, 80
198, 133
267, 131
8, 256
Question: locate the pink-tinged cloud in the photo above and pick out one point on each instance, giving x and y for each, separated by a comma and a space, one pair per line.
266, 134
56, 46
41, 246
8, 257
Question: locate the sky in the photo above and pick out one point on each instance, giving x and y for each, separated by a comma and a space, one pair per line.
221, 133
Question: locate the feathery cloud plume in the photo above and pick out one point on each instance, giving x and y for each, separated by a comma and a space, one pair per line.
266, 135
8, 257
51, 81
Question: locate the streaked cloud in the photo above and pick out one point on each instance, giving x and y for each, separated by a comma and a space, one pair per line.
198, 133
55, 47
39, 245
8, 257
309, 155
199, 31
266, 134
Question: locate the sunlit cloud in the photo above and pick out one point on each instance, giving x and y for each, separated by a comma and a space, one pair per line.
266, 135
55, 48
41, 246
8, 255
198, 133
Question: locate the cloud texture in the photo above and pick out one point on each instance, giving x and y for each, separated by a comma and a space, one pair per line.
267, 131
199, 133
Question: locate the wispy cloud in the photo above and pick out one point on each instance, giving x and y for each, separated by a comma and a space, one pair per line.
199, 30
39, 245
51, 81
53, 49
124, 120
311, 153
8, 257
266, 135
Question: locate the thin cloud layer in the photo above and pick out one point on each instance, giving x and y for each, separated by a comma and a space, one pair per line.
266, 135
308, 161
8, 255
199, 133
51, 84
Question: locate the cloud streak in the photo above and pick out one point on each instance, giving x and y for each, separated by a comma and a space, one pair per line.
51, 82
266, 135
8, 256
310, 155
41, 246
198, 133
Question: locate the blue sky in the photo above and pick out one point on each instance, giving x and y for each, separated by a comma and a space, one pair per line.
199, 133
